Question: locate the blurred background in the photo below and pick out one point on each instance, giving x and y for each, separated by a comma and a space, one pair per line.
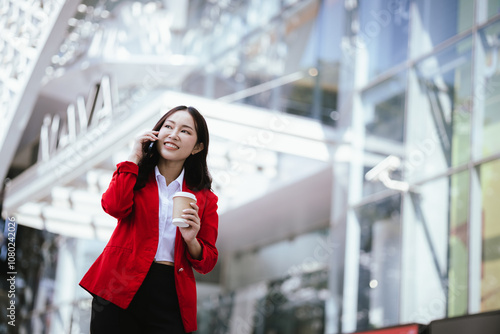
355, 149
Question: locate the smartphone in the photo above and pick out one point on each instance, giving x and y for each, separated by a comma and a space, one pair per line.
150, 147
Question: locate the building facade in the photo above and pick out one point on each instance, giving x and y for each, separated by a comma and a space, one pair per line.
353, 150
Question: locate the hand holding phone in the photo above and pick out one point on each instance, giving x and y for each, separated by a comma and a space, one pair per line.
149, 137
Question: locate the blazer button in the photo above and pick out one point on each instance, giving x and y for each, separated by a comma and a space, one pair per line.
181, 269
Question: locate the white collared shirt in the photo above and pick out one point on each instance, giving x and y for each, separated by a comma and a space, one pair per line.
167, 231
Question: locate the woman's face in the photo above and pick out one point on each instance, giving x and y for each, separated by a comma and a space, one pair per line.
177, 138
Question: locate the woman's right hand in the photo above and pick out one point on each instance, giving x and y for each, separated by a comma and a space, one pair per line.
136, 154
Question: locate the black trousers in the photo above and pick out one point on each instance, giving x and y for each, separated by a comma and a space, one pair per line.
154, 309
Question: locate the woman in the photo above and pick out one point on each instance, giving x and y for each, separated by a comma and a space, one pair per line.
143, 281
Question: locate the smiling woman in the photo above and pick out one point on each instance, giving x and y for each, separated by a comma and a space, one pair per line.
177, 140
143, 281
199, 177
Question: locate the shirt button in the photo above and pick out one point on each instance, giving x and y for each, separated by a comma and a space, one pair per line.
181, 269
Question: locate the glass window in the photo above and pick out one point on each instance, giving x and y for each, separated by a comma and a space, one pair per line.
299, 97
438, 128
490, 283
382, 116
436, 247
267, 59
486, 9
382, 35
302, 254
295, 304
214, 313
319, 30
313, 96
433, 22
384, 111
487, 92
379, 263
37, 263
493, 8
458, 276
259, 12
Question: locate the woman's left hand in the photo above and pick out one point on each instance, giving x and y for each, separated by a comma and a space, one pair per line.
191, 215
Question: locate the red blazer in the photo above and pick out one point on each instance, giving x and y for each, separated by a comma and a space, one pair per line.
121, 268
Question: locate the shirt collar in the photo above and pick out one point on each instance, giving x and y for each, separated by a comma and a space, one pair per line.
179, 179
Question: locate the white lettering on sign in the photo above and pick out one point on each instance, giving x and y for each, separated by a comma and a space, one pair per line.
54, 136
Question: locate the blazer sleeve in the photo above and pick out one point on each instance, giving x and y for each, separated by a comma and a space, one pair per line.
207, 236
118, 199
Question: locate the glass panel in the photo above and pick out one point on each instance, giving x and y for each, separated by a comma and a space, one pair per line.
299, 97
493, 8
383, 34
486, 9
384, 110
379, 263
487, 92
303, 253
458, 277
426, 223
215, 26
322, 57
438, 131
268, 68
259, 12
283, 65
37, 260
490, 282
433, 22
214, 313
294, 305
314, 97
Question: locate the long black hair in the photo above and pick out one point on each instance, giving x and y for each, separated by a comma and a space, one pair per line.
196, 173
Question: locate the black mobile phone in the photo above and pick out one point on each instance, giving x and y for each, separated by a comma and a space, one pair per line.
150, 147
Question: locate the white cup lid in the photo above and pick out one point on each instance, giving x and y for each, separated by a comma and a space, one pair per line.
181, 222
185, 194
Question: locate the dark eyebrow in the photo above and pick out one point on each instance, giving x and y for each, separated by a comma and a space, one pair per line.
184, 125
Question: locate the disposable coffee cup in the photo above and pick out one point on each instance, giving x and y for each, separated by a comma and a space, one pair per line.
182, 201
